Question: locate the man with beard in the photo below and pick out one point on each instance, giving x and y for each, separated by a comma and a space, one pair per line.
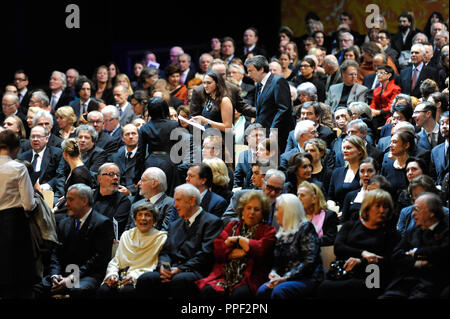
402, 40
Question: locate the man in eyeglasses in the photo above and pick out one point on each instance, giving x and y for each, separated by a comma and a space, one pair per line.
21, 81
108, 200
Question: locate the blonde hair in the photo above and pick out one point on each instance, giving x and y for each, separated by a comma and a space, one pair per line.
70, 147
219, 170
358, 143
66, 111
293, 213
123, 76
373, 197
320, 202
254, 194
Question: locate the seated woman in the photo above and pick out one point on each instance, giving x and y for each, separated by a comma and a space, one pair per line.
352, 201
266, 154
176, 88
384, 95
346, 179
66, 118
359, 243
221, 177
297, 269
139, 102
122, 79
299, 170
324, 220
242, 252
321, 170
137, 253
415, 166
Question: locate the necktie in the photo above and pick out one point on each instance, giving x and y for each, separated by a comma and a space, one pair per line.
53, 104
128, 155
187, 224
414, 80
431, 140
258, 92
120, 111
78, 226
34, 162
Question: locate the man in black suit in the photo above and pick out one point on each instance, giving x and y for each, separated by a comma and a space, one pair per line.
384, 38
152, 187
237, 72
250, 39
402, 40
57, 93
186, 68
312, 111
111, 123
198, 99
45, 119
21, 81
44, 158
10, 106
86, 239
273, 100
421, 259
187, 255
412, 77
83, 89
125, 159
108, 143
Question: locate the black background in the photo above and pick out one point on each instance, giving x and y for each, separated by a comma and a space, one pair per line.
35, 37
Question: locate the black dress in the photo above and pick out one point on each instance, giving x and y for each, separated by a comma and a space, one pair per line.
211, 111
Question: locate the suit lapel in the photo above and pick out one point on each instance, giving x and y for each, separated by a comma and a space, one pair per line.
45, 160
265, 89
206, 200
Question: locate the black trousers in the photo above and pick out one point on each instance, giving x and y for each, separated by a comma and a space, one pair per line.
239, 293
106, 292
182, 286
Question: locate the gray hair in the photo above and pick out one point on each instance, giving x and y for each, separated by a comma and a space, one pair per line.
148, 207
349, 63
293, 91
346, 34
112, 110
420, 46
41, 96
83, 191
158, 175
302, 127
405, 126
308, 88
384, 56
330, 59
95, 113
90, 129
105, 165
238, 67
274, 172
359, 124
186, 55
14, 97
189, 191
401, 96
434, 204
45, 114
420, 34
317, 23
360, 108
203, 55
63, 78
46, 132
258, 61
443, 33
122, 88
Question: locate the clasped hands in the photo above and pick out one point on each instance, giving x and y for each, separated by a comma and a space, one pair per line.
113, 281
275, 279
60, 283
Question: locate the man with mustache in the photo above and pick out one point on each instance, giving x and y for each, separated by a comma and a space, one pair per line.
108, 200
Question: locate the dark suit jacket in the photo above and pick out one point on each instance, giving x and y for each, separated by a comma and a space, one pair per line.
243, 171
165, 207
191, 250
214, 203
423, 140
274, 108
190, 75
64, 100
126, 167
25, 101
427, 72
53, 140
90, 249
438, 163
108, 143
257, 50
198, 102
248, 93
397, 41
50, 161
329, 228
326, 134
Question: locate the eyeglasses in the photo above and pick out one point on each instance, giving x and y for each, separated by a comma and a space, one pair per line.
304, 66
271, 188
112, 174
19, 79
33, 137
95, 122
381, 73
417, 112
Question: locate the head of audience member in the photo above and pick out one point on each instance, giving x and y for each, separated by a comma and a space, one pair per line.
266, 152
311, 111
38, 138
352, 53
415, 166
275, 67
153, 182
219, 66
123, 80
137, 69
65, 116
369, 50
111, 116
149, 57
204, 62
444, 125
368, 168
319, 36
95, 119
108, 178
357, 127
441, 38
148, 77
236, 72
307, 91
349, 72
257, 175
360, 110
254, 134
312, 199
346, 40
253, 208
9, 143
428, 210
79, 200
184, 111
429, 52
120, 95
113, 70
130, 136
86, 137
14, 123
71, 77
273, 184
376, 208
139, 101
342, 116
227, 47
289, 213
184, 62
71, 149
200, 176
402, 143
385, 74
214, 85
354, 149
417, 54
158, 108
308, 66
57, 82
174, 53
173, 75
10, 104
187, 200
405, 20
425, 114
11, 88
440, 100
330, 64
138, 122
428, 87
250, 37
380, 182
285, 33
45, 119
146, 216
39, 99
219, 170
32, 110
212, 147
305, 130
21, 80
317, 148
299, 168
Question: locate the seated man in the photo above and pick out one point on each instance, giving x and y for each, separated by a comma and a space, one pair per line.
108, 201
187, 255
86, 239
108, 143
421, 259
153, 186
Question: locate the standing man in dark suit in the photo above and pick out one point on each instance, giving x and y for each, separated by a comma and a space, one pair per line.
412, 77
86, 239
273, 100
44, 158
57, 91
187, 255
21, 82
251, 44
402, 40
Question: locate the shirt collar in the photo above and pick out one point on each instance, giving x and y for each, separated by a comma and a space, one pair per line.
193, 217
264, 80
432, 227
83, 219
133, 152
155, 198
41, 153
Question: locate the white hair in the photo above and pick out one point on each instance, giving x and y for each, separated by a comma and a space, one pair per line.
302, 128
